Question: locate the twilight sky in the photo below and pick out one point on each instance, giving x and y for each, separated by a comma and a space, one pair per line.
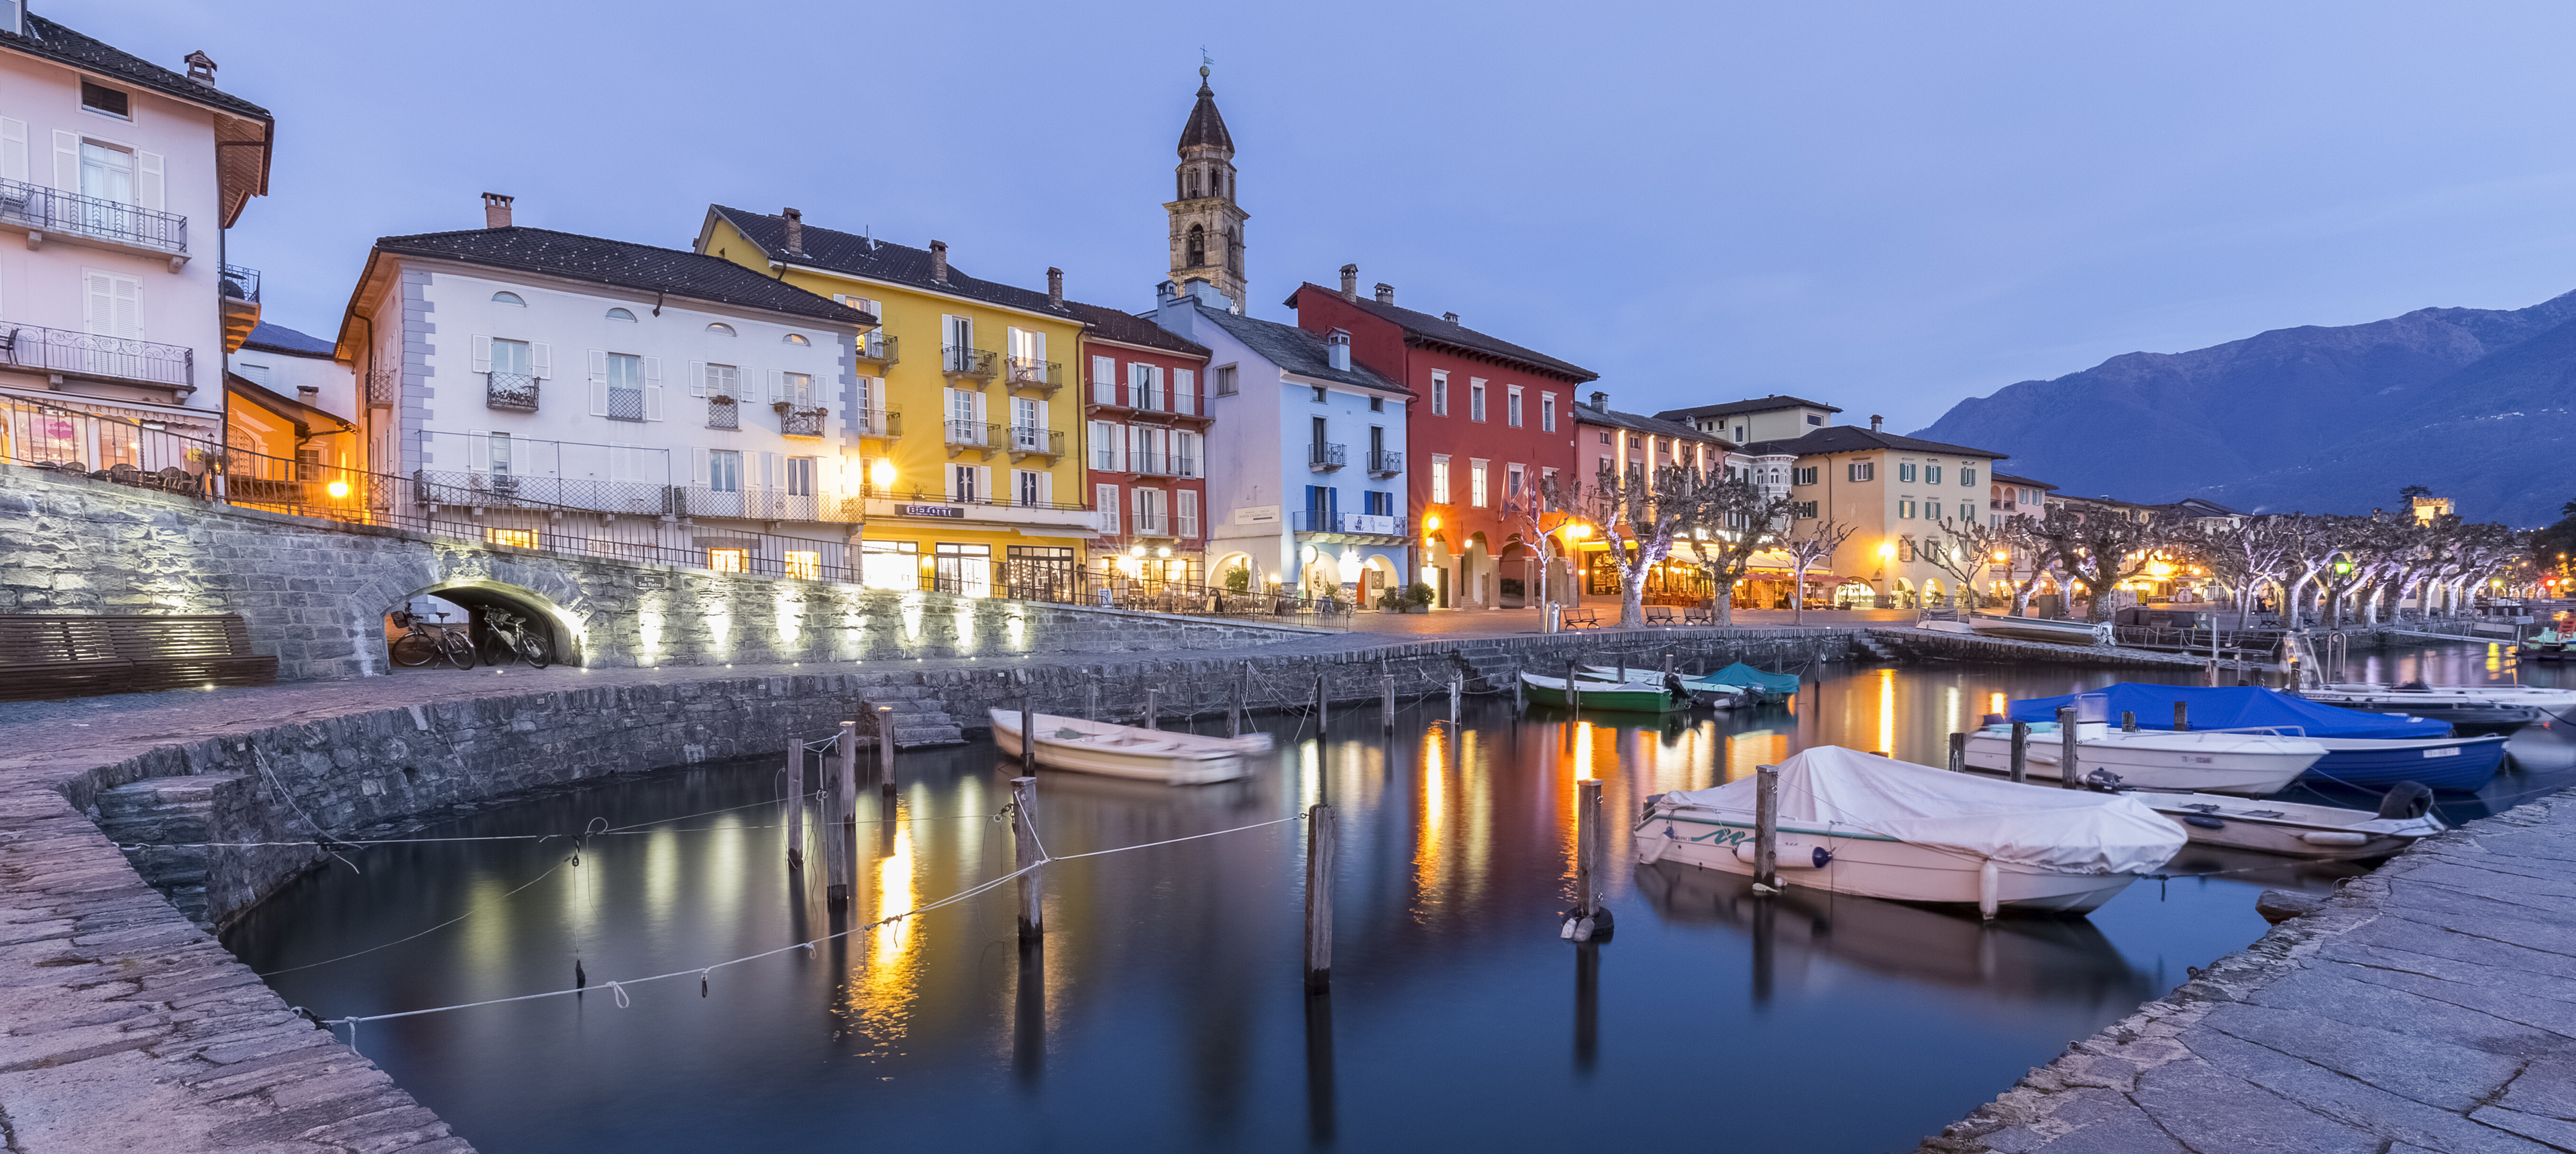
1886, 206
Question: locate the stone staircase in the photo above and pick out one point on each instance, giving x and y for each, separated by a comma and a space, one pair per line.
920, 718
159, 810
1490, 672
1878, 647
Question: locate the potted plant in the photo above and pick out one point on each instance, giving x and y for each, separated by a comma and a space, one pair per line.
1414, 598
1238, 580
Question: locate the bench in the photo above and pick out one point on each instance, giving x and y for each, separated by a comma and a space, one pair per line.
1659, 615
46, 657
1580, 619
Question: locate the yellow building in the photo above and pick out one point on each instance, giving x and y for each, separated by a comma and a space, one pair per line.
961, 423
1895, 492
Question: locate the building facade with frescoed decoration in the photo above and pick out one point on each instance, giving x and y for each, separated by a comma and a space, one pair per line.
1144, 452
961, 420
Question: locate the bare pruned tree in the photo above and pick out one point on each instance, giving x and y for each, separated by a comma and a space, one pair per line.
1963, 549
2100, 549
1729, 522
1639, 511
1809, 546
1541, 512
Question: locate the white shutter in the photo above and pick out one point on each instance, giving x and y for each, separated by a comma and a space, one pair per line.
777, 384
13, 149
1143, 508
827, 480
698, 467
541, 360
1189, 513
1041, 407
478, 450
482, 353
1136, 379
96, 288
652, 388
67, 160
984, 482
697, 378
599, 367
1135, 449
112, 305
599, 398
147, 180
1105, 501
1104, 380
1046, 488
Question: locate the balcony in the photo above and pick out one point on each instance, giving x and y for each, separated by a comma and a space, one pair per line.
1029, 441
1041, 376
961, 436
384, 387
240, 287
68, 354
1151, 525
1339, 524
516, 392
961, 361
1385, 462
51, 214
623, 404
1153, 464
951, 511
723, 412
801, 420
885, 423
879, 349
1324, 458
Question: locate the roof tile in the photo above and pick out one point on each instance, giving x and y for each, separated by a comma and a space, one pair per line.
624, 264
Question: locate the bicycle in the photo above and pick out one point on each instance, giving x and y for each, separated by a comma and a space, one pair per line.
507, 638
422, 644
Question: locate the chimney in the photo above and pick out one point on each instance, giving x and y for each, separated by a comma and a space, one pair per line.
496, 210
1601, 401
1452, 318
1337, 350
1385, 293
201, 67
1350, 282
939, 262
1055, 288
1874, 421
795, 232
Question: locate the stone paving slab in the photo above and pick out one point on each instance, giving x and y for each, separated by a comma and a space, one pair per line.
2429, 1006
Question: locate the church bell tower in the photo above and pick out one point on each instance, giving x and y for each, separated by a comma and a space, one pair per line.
1207, 228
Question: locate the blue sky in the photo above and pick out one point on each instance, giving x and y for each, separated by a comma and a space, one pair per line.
1885, 206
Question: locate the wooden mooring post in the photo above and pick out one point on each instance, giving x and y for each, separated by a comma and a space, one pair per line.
885, 749
1588, 919
1234, 704
837, 866
1766, 829
1958, 753
2182, 718
1091, 702
1386, 701
845, 770
795, 804
2070, 772
1323, 711
1321, 837
1153, 709
1024, 836
2128, 721
1457, 692
2020, 769
1029, 734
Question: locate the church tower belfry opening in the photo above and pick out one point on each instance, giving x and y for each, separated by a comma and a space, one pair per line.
1207, 226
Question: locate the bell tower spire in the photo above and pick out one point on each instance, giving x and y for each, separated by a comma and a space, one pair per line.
1207, 227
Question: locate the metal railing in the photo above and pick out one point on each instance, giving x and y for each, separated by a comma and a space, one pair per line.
623, 404
1358, 524
966, 361
518, 392
885, 422
973, 434
1185, 466
384, 386
796, 420
1025, 372
1152, 525
723, 411
879, 347
1151, 464
1324, 458
53, 210
1385, 462
89, 355
1029, 439
241, 283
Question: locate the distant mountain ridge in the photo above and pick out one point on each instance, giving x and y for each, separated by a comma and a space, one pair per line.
2474, 403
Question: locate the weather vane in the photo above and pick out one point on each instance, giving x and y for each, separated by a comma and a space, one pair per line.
1205, 60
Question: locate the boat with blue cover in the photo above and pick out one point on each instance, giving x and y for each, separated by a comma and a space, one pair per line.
1766, 687
2362, 749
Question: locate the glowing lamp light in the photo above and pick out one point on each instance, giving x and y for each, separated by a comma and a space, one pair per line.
882, 472
1165, 551
1136, 551
2159, 569
339, 488
2000, 555
1887, 550
1274, 578
1431, 522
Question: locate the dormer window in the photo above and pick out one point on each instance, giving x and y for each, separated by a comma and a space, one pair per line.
510, 298
99, 98
621, 315
797, 339
719, 329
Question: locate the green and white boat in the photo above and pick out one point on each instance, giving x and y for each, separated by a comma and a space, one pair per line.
1649, 695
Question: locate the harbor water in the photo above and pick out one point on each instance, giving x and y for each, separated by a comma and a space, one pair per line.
1164, 1009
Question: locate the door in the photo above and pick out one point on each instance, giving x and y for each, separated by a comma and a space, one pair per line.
112, 312
107, 178
959, 355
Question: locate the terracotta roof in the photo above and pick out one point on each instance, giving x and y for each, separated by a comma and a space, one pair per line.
1771, 403
1109, 324
1297, 350
49, 39
1423, 328
881, 260
624, 264
1205, 126
1850, 439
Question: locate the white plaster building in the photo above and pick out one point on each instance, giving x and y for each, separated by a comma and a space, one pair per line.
117, 179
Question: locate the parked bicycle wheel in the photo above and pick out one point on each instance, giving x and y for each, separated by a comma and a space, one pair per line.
457, 649
537, 650
414, 650
497, 649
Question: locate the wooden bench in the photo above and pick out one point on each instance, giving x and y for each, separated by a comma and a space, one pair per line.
1659, 615
47, 657
1580, 619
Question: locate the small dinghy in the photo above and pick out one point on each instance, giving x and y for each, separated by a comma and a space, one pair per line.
1766, 688
1130, 751
1712, 694
2306, 831
2252, 764
1645, 693
1857, 823
2040, 629
2468, 714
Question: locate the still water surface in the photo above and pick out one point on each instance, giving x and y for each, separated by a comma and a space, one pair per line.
1165, 1010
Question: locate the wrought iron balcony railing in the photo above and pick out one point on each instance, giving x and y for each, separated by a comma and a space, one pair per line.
623, 404
53, 210
1151, 525
1385, 462
90, 355
384, 386
1358, 524
1152, 464
880, 348
241, 283
795, 420
1324, 458
723, 411
973, 434
1029, 439
513, 391
1026, 373
885, 422
965, 361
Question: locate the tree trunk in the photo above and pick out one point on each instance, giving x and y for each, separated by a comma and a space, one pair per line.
1798, 594
1722, 607
1632, 600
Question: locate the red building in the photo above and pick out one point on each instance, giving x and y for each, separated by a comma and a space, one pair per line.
1492, 419
1144, 448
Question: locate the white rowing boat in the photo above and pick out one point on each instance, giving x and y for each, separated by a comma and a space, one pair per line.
2207, 761
1131, 751
2290, 828
2040, 629
1713, 694
1856, 823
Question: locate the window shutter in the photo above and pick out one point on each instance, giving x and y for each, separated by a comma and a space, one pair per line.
13, 148
778, 384
827, 481
1185, 389
541, 360
599, 367
652, 402
983, 482
1104, 380
147, 180
598, 398
67, 160
482, 353
698, 467
1105, 502
697, 378
1136, 384
478, 450
125, 315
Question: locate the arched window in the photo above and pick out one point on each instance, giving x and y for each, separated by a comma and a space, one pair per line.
1216, 182
1196, 254
797, 339
719, 329
508, 298
1194, 184
620, 315
1233, 253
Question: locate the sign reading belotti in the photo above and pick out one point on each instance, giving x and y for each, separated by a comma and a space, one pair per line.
933, 511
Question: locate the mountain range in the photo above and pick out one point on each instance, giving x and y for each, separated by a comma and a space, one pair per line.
2477, 404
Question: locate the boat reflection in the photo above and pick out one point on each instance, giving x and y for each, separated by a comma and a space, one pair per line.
2011, 961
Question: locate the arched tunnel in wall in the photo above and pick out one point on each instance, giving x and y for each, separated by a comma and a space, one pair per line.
477, 602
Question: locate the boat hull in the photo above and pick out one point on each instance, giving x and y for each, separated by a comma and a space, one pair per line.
2154, 764
1129, 752
2289, 829
1629, 698
1876, 867
2451, 765
2467, 717
2039, 629
1704, 693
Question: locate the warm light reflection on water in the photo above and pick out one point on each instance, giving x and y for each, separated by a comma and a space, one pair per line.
1887, 711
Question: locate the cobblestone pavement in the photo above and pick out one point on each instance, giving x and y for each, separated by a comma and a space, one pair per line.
2430, 1006
1490, 622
